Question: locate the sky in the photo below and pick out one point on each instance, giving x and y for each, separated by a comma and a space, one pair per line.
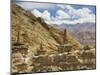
61, 13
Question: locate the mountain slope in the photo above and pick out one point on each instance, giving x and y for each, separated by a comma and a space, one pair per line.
85, 33
34, 31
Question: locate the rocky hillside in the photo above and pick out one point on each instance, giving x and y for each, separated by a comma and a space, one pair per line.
34, 31
84, 33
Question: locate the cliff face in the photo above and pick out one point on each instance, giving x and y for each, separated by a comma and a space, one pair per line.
34, 31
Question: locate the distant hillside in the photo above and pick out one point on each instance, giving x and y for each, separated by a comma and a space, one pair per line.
34, 31
84, 33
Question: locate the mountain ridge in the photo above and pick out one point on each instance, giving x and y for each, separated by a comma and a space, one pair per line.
34, 31
84, 33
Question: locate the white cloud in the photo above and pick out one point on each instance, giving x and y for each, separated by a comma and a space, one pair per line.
45, 15
62, 15
90, 19
71, 16
65, 14
61, 6
83, 15
69, 7
36, 13
59, 19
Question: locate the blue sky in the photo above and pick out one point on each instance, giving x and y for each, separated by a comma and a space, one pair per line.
61, 13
